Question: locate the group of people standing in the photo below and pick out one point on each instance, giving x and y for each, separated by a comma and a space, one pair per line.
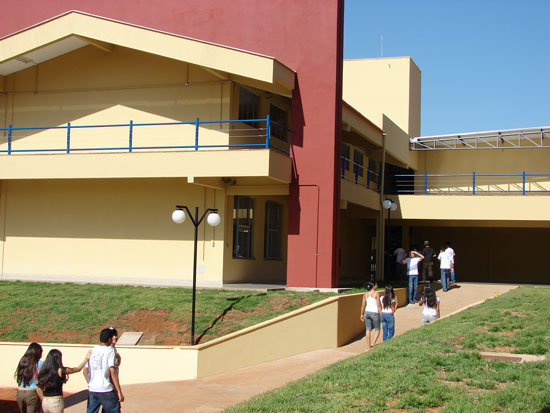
411, 261
40, 384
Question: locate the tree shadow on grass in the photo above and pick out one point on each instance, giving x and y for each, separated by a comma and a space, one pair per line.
235, 300
545, 410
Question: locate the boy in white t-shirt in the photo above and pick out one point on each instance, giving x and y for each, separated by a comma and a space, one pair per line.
445, 266
102, 377
412, 271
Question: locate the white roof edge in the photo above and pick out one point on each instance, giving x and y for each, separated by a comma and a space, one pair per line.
145, 28
474, 134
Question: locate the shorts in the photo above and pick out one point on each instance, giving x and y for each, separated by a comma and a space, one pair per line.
372, 320
428, 318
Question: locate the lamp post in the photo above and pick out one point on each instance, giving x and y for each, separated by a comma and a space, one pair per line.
390, 206
178, 216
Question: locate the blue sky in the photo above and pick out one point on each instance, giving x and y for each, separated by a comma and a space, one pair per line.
485, 64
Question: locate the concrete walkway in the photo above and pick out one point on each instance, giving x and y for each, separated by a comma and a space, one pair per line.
215, 393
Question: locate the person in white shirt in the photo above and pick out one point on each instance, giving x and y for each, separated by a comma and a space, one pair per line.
445, 267
451, 253
412, 271
102, 377
370, 312
430, 301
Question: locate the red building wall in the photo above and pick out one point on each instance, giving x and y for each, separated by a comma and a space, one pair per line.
306, 35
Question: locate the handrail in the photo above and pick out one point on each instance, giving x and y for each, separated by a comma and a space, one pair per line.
474, 183
257, 136
371, 176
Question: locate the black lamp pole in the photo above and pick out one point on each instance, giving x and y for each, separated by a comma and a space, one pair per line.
196, 222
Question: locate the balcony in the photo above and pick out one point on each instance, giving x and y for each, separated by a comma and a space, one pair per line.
360, 185
472, 184
218, 148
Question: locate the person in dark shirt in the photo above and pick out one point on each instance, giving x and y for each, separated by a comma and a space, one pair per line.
428, 267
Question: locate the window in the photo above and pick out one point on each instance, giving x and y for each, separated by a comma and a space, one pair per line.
358, 159
277, 117
243, 219
346, 156
272, 237
249, 106
373, 169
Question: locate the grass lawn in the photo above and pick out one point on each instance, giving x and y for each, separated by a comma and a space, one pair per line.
74, 313
437, 367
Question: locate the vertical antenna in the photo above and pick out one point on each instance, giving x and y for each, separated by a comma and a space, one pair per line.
381, 45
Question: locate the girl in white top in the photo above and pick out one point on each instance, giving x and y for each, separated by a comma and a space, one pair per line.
370, 312
389, 304
431, 305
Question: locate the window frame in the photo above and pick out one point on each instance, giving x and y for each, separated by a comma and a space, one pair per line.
252, 109
278, 130
243, 225
358, 159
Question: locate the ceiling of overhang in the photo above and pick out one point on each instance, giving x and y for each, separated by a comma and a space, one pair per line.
42, 54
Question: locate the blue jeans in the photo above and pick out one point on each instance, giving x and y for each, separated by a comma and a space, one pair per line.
445, 273
108, 400
453, 277
388, 326
413, 287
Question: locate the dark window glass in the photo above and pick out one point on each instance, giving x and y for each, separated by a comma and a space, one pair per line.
272, 238
277, 117
346, 156
249, 106
243, 219
358, 159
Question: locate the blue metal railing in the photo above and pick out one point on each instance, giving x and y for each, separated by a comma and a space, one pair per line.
471, 184
360, 175
249, 137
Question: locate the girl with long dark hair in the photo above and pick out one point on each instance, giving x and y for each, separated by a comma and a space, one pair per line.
430, 301
51, 378
370, 312
389, 305
28, 396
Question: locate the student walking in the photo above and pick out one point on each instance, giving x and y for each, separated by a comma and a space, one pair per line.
412, 271
102, 376
28, 395
430, 301
51, 378
389, 304
451, 253
445, 267
370, 312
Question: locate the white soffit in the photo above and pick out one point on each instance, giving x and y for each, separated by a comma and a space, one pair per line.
42, 54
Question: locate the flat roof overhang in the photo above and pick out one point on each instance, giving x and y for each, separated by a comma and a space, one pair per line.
355, 121
74, 29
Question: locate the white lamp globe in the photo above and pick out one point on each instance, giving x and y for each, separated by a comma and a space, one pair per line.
393, 206
213, 219
387, 203
178, 216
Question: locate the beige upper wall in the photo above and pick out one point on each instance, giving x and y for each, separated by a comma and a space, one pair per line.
223, 60
388, 92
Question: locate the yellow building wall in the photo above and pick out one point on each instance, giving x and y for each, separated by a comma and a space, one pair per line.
105, 230
494, 161
90, 86
387, 92
356, 235
256, 269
